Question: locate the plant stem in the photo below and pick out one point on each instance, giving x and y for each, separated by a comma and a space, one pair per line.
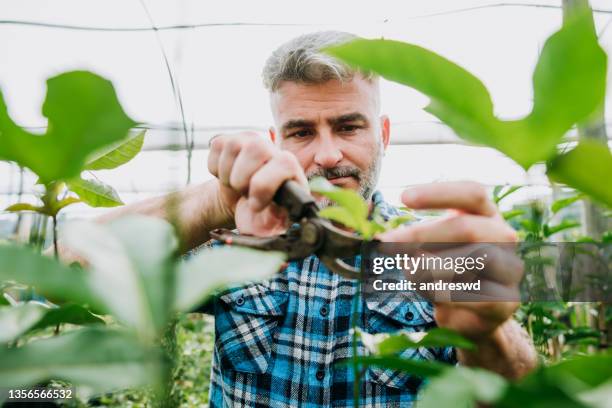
54, 218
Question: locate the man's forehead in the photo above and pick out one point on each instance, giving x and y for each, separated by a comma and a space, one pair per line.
323, 101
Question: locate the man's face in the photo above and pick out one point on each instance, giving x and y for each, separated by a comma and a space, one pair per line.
334, 130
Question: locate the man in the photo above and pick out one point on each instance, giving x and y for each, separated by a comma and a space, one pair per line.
277, 341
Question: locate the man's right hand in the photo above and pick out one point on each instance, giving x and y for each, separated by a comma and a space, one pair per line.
250, 169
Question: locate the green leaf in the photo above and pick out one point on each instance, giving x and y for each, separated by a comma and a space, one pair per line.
131, 263
211, 269
386, 343
419, 368
569, 81
340, 215
117, 154
83, 115
399, 221
345, 198
558, 205
445, 82
65, 202
563, 384
569, 85
94, 193
591, 371
69, 313
49, 277
585, 168
462, 387
563, 225
95, 360
508, 215
17, 320
24, 207
503, 192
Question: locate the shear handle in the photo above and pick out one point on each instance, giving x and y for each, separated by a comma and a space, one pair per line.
296, 200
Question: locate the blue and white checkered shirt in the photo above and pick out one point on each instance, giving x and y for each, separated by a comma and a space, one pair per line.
276, 342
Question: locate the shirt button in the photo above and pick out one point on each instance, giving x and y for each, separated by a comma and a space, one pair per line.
323, 311
409, 316
240, 301
320, 375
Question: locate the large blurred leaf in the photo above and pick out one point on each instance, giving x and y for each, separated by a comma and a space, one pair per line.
94, 193
569, 85
462, 387
130, 260
96, 360
588, 168
117, 154
15, 321
562, 385
47, 276
83, 115
211, 269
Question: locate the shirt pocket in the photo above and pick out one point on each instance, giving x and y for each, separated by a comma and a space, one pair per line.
246, 321
389, 317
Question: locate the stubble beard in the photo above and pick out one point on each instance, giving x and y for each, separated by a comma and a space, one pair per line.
367, 179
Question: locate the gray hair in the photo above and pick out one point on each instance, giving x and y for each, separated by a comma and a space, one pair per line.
301, 60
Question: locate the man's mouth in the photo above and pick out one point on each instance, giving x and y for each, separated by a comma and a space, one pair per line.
341, 180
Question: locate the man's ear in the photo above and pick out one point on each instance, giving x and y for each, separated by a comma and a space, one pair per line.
272, 134
385, 128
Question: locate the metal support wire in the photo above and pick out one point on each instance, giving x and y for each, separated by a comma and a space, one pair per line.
264, 24
176, 90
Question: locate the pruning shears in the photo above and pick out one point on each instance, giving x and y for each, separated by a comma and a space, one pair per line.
311, 234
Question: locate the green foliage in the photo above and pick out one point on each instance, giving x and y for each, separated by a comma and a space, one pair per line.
222, 266
84, 116
562, 203
462, 387
15, 321
19, 320
569, 86
119, 361
87, 130
116, 154
386, 344
578, 382
501, 192
352, 210
132, 274
416, 367
94, 193
49, 277
583, 167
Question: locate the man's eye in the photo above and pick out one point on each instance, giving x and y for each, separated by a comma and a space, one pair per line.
301, 133
348, 128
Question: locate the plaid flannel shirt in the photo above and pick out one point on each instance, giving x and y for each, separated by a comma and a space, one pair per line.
276, 341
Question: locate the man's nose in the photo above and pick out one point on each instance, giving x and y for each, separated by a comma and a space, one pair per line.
328, 154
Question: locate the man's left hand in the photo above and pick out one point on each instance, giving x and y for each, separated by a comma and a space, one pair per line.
473, 218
